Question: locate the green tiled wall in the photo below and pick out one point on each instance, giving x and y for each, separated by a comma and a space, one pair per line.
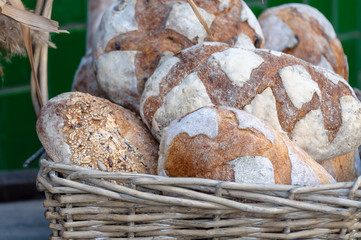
18, 138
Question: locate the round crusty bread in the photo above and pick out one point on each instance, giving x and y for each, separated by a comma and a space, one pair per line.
95, 10
77, 128
85, 79
345, 168
135, 35
228, 144
316, 108
304, 32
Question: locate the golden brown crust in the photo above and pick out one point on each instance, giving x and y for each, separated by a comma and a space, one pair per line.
342, 168
152, 37
96, 134
287, 92
186, 66
312, 40
205, 157
221, 90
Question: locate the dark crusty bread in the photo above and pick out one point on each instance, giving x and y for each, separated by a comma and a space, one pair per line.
84, 130
135, 35
228, 144
316, 108
304, 32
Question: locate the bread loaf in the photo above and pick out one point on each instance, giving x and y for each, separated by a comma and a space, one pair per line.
345, 168
304, 32
135, 35
77, 128
316, 108
95, 10
228, 144
85, 79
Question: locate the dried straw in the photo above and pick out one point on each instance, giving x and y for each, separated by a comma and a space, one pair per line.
15, 25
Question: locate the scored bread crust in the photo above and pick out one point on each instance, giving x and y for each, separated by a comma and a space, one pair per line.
84, 130
304, 32
134, 36
228, 144
316, 108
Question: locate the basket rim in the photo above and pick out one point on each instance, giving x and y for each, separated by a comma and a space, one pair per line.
81, 172
77, 192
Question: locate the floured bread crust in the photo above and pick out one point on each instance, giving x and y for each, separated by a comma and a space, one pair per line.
96, 10
316, 108
303, 31
228, 144
148, 29
84, 130
85, 79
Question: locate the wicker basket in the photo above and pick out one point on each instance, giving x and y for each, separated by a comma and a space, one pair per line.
89, 204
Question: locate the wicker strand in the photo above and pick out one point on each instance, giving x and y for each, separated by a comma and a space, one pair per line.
217, 217
132, 213
137, 206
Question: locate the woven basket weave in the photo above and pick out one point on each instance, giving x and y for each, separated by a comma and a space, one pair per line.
89, 204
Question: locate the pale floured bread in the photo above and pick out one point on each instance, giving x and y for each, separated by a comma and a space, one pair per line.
228, 144
85, 79
135, 35
95, 10
303, 31
345, 168
88, 131
316, 108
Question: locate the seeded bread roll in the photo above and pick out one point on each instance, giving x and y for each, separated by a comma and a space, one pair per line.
84, 130
304, 32
228, 144
345, 168
316, 108
135, 35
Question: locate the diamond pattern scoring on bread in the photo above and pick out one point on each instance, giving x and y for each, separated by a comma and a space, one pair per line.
280, 89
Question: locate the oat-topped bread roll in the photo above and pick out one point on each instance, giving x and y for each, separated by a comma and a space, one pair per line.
88, 131
84, 79
228, 144
315, 107
135, 35
345, 168
303, 31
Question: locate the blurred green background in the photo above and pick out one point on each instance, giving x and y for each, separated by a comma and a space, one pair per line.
18, 139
